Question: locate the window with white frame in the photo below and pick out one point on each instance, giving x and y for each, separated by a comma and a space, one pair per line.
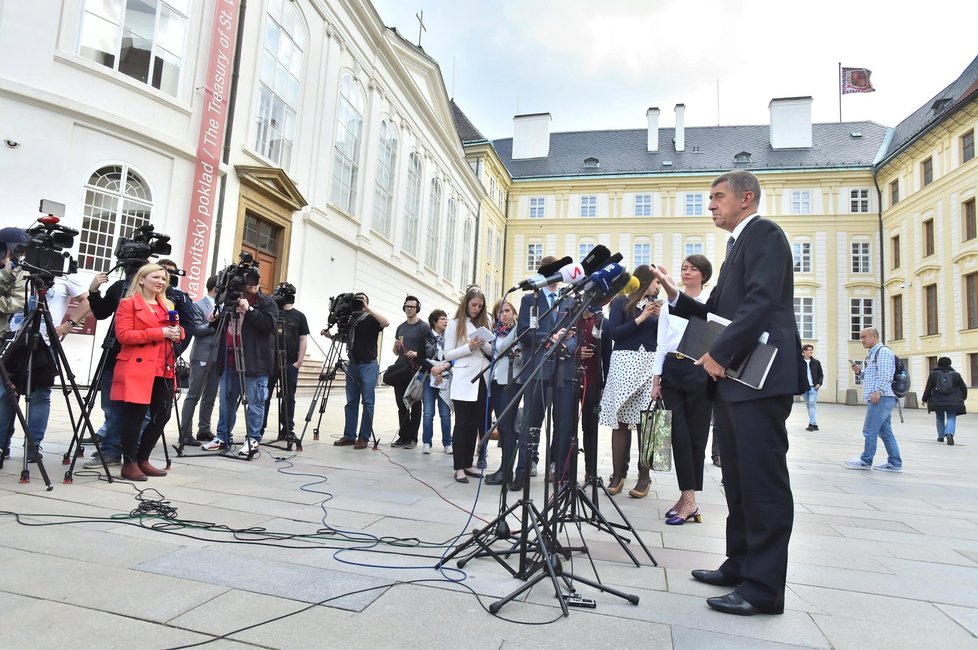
450, 221
492, 188
801, 202
278, 84
490, 243
117, 201
802, 253
466, 252
538, 207
384, 185
860, 316
499, 250
534, 254
434, 225
583, 248
694, 204
346, 156
859, 200
641, 253
643, 205
412, 205
589, 206
693, 248
142, 39
805, 317
860, 256
501, 200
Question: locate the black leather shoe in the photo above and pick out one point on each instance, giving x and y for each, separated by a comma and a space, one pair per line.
496, 478
517, 484
189, 441
715, 578
733, 603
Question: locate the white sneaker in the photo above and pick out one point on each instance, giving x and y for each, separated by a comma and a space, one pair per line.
857, 463
249, 447
214, 445
448, 449
426, 448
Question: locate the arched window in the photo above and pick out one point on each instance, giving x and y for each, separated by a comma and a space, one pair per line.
434, 225
117, 201
386, 168
466, 252
346, 159
450, 239
412, 206
278, 83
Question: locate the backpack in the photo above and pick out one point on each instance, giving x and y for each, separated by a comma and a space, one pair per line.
944, 384
900, 384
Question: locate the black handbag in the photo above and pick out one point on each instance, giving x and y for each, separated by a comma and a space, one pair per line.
399, 373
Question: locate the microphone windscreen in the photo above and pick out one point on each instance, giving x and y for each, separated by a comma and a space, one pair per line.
572, 273
173, 316
617, 257
555, 266
632, 286
596, 258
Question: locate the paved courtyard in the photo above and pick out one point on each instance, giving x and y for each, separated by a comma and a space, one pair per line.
335, 547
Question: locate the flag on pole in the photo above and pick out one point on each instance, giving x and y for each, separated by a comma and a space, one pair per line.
856, 80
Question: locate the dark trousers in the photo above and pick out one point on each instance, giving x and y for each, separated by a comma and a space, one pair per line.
502, 395
287, 421
590, 407
684, 393
138, 447
754, 446
203, 388
409, 420
470, 424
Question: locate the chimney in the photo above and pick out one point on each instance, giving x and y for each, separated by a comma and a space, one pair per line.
653, 116
791, 122
531, 136
680, 139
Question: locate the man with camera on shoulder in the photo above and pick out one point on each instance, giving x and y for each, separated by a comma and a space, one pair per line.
291, 337
249, 341
361, 372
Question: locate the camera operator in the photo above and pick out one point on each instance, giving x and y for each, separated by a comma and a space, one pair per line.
203, 385
409, 346
361, 372
13, 280
294, 335
189, 317
252, 326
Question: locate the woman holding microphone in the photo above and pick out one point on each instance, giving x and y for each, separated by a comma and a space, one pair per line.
146, 327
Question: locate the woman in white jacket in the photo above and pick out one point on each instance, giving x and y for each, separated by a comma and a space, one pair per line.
469, 355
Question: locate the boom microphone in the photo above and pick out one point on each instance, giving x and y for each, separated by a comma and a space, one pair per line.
545, 270
570, 273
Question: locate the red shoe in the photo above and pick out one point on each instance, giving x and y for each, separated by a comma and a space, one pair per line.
131, 472
149, 470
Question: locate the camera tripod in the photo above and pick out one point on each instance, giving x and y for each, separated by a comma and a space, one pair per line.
282, 387
327, 375
30, 336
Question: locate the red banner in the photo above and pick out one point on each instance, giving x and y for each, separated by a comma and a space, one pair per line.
217, 85
856, 80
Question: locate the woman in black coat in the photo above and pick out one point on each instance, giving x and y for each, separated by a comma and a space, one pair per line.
944, 395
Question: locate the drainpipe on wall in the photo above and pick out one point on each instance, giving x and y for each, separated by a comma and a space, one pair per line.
879, 214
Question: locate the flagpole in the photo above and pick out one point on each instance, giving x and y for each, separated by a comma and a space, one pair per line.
840, 91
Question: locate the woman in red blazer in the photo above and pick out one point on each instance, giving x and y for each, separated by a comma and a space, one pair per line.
144, 369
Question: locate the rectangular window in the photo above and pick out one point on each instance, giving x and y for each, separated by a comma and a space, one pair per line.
534, 253
583, 249
860, 316
859, 200
973, 364
802, 252
860, 257
694, 204
894, 192
968, 146
931, 364
968, 215
805, 317
895, 252
538, 207
589, 206
930, 304
897, 303
643, 205
971, 300
928, 237
694, 248
801, 202
642, 253
927, 172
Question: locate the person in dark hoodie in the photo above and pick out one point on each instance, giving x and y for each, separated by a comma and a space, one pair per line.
944, 395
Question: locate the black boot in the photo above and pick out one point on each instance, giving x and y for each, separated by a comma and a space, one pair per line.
497, 478
187, 440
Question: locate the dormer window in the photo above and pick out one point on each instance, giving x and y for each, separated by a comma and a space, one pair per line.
591, 163
940, 104
742, 158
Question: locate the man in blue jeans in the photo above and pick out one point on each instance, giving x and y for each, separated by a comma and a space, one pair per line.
877, 375
813, 372
361, 371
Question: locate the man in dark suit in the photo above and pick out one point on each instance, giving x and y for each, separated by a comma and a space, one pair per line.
204, 382
754, 291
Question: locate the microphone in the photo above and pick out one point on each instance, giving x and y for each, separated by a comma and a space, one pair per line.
545, 270
596, 258
602, 279
613, 259
569, 273
624, 284
173, 317
632, 285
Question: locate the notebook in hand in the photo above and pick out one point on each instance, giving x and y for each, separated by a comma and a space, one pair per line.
751, 371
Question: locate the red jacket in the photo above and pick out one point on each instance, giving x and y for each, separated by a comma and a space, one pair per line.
141, 335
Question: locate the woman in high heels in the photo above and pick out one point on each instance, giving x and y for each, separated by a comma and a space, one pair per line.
682, 387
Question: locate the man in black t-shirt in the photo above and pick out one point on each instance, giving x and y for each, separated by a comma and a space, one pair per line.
361, 374
409, 347
294, 333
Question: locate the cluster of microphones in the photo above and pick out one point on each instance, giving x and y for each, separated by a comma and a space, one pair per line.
598, 275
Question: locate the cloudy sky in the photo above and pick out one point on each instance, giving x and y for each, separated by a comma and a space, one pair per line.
596, 64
